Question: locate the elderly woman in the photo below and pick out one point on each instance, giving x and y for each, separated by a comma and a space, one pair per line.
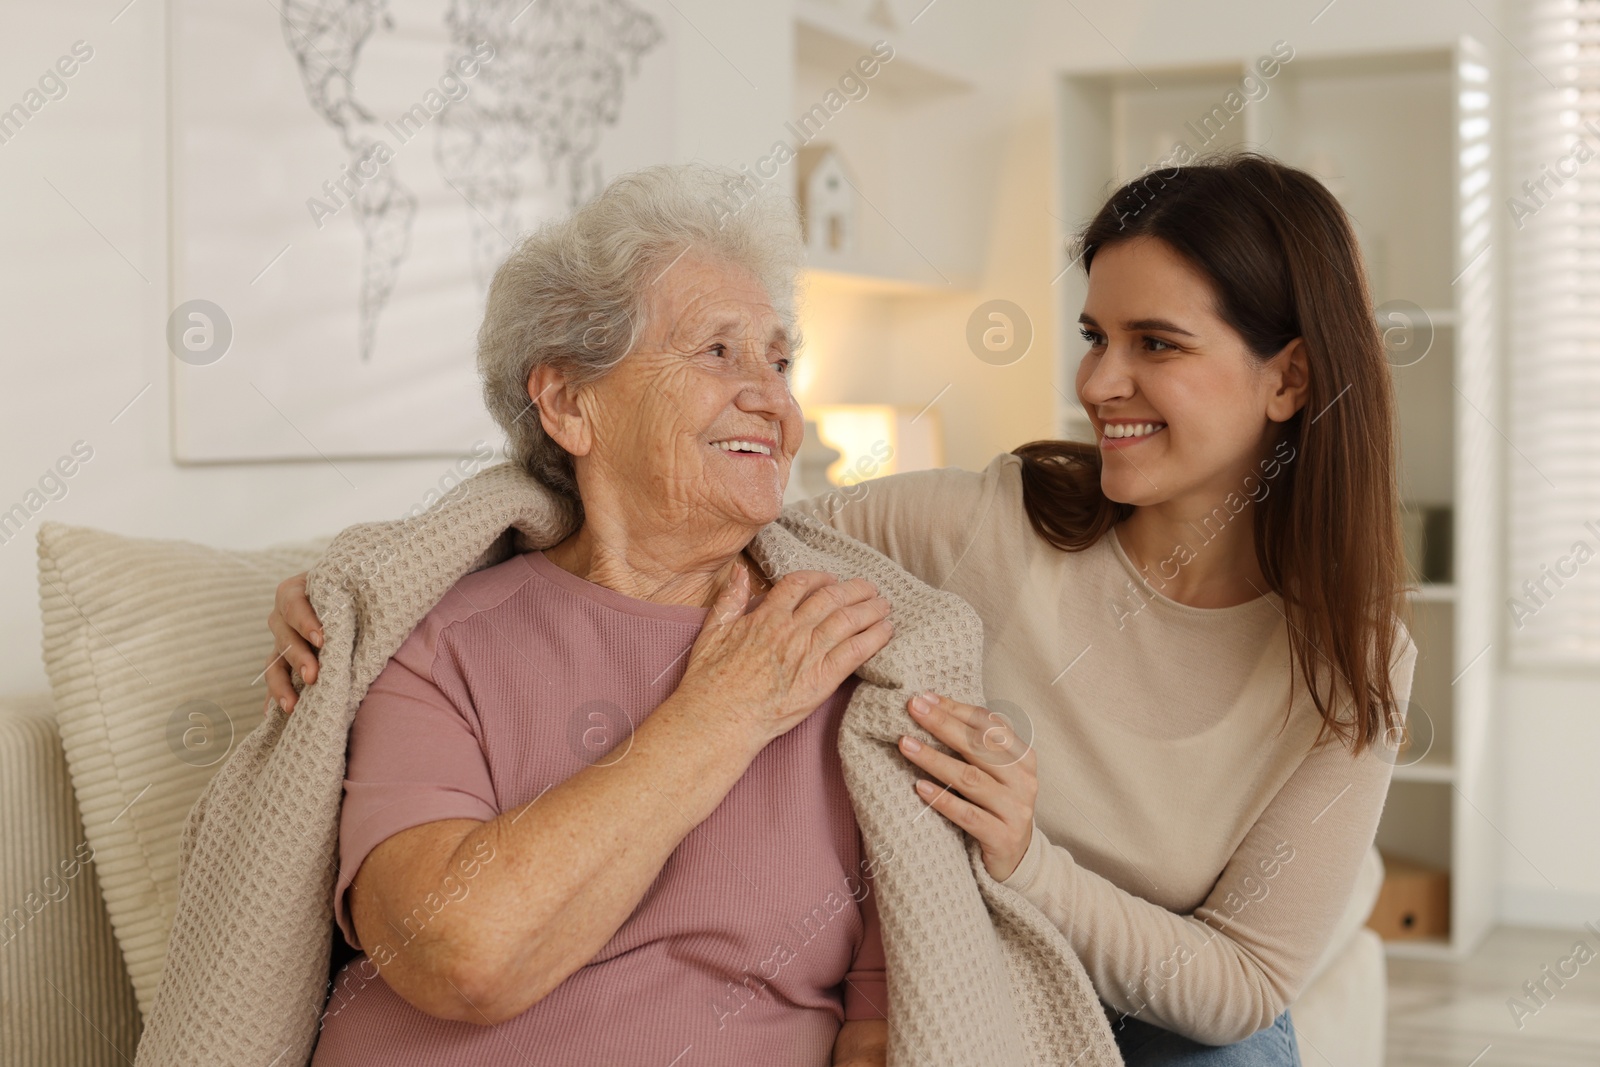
687, 891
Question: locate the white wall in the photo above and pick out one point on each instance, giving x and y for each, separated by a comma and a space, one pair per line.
1550, 730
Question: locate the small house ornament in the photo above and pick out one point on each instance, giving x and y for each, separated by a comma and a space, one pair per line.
828, 199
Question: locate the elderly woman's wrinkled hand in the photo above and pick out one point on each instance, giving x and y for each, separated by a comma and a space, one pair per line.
770, 667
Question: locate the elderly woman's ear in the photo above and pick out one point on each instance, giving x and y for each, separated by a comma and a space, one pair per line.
556, 401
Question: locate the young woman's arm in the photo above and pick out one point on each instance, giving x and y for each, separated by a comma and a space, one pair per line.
1241, 958
923, 520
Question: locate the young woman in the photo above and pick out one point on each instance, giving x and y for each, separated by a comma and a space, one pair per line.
1196, 617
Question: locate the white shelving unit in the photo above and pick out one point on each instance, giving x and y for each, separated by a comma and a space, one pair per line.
1403, 139
888, 141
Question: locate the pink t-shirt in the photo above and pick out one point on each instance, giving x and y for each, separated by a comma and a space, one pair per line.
753, 944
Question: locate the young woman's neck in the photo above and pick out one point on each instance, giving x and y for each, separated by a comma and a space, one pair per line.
1205, 558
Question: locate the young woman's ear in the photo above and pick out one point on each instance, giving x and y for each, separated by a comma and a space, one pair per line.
559, 411
1290, 381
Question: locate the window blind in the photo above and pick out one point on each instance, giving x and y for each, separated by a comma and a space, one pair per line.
1553, 344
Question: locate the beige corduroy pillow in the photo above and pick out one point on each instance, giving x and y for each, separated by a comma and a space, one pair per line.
153, 649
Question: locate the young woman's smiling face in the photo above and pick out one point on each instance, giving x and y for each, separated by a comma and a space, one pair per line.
1182, 409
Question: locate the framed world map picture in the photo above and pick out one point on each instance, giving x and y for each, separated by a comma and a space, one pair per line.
346, 176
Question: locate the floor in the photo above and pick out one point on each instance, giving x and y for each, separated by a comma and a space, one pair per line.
1458, 1015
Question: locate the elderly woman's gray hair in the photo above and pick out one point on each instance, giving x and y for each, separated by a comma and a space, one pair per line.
573, 292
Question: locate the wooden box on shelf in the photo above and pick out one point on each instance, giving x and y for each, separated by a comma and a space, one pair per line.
1414, 903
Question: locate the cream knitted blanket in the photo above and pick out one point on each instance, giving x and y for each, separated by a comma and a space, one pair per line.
977, 976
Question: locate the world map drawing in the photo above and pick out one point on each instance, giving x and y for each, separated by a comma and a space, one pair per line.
346, 177
550, 77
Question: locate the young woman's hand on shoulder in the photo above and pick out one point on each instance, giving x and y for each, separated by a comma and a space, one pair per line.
988, 788
296, 637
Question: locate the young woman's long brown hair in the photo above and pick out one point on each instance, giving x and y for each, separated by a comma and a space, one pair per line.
1280, 253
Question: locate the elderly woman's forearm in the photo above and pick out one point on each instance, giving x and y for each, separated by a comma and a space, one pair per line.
569, 868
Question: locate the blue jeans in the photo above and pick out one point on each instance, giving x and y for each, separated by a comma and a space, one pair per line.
1143, 1045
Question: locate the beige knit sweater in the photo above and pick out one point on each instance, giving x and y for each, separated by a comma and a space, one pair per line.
977, 975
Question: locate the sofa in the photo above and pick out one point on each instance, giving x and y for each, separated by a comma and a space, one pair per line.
154, 651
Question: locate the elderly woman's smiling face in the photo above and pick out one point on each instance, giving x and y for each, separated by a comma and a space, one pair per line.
696, 425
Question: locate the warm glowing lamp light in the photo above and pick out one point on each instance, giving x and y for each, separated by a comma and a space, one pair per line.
874, 440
